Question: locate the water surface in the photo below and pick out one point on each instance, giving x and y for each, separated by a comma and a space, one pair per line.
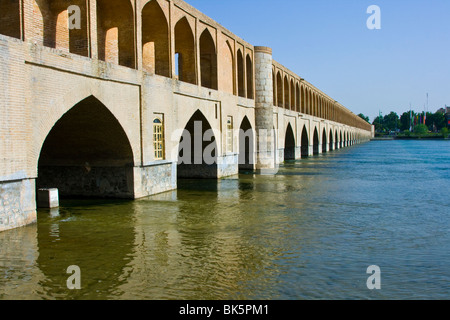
309, 232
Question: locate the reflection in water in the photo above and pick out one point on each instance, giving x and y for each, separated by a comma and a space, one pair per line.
310, 232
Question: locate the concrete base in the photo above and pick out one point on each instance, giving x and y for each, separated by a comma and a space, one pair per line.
48, 198
17, 203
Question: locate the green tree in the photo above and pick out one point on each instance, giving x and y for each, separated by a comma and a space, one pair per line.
405, 120
362, 116
420, 129
391, 121
435, 121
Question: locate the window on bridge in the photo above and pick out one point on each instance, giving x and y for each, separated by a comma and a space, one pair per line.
158, 139
185, 48
230, 135
10, 18
208, 61
155, 40
240, 73
249, 65
303, 102
280, 102
115, 25
286, 93
297, 94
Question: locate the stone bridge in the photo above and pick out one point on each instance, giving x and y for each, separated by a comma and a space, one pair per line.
97, 97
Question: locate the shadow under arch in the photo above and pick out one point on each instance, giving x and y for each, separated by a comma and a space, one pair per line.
246, 146
305, 143
289, 144
87, 154
315, 142
197, 150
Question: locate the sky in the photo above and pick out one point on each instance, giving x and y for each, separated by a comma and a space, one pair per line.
328, 43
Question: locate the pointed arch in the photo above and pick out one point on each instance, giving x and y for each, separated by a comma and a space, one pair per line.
227, 69
10, 18
240, 72
287, 97
208, 61
87, 153
246, 145
324, 141
315, 141
155, 40
298, 100
115, 27
305, 142
185, 52
249, 73
289, 144
280, 96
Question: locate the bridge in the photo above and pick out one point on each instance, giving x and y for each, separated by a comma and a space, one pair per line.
104, 98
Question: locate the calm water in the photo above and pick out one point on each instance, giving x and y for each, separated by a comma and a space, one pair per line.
309, 232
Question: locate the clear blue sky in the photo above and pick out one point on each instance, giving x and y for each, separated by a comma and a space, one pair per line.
328, 43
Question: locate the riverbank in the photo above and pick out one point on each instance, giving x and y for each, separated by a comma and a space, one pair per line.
411, 137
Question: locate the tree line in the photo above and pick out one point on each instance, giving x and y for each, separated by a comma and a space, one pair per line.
409, 121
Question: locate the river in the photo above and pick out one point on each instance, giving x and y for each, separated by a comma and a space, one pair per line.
309, 232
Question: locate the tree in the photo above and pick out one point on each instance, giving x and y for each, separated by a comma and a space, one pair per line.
391, 121
420, 129
362, 116
405, 120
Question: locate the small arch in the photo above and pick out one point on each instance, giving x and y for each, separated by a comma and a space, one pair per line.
249, 65
305, 143
240, 72
315, 142
324, 141
246, 146
208, 61
280, 100
286, 93
331, 140
185, 51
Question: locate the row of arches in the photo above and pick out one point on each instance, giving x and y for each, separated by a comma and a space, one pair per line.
297, 95
329, 141
170, 52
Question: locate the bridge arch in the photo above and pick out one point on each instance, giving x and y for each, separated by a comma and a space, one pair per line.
324, 141
198, 149
305, 143
240, 73
208, 61
249, 72
315, 142
331, 140
246, 145
155, 40
115, 25
279, 90
87, 153
185, 51
10, 18
289, 143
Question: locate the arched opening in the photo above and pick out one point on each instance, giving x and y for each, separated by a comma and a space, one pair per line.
289, 144
274, 87
292, 106
279, 90
10, 18
324, 141
185, 51
155, 40
305, 143
240, 71
337, 140
331, 140
249, 65
341, 144
246, 146
51, 25
315, 142
115, 26
303, 102
227, 69
297, 94
197, 151
208, 61
87, 154
286, 93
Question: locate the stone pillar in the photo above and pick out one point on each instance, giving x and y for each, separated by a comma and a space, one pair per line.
266, 149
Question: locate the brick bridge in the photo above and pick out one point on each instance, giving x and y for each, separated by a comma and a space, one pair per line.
99, 109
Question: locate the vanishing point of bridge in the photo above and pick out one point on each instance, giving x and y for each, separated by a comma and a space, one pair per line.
118, 98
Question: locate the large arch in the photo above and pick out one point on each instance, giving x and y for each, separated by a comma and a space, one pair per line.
197, 156
10, 18
336, 140
331, 140
289, 144
246, 146
115, 26
185, 51
155, 40
315, 142
305, 143
87, 153
208, 61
